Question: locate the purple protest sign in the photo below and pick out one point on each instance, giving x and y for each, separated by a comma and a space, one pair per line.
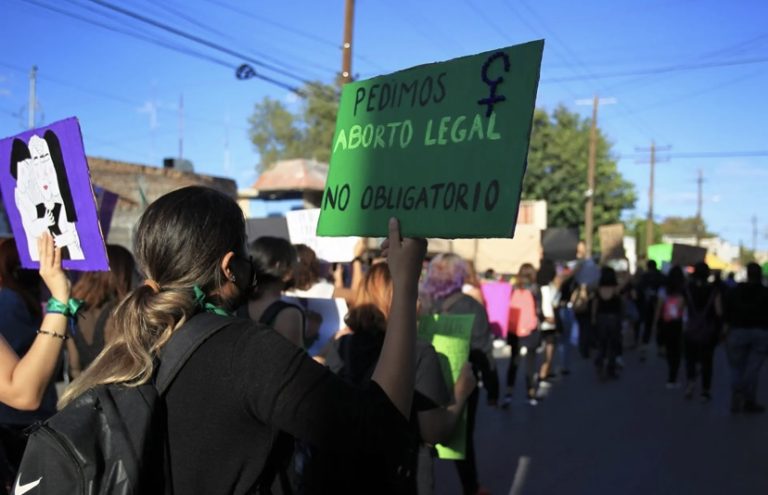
106, 202
496, 295
46, 187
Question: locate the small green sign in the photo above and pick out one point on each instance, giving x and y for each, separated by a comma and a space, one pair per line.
450, 334
440, 146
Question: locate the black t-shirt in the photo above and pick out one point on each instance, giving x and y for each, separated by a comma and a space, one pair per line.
747, 306
244, 385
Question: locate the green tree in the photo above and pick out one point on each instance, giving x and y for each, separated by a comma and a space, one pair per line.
279, 134
557, 171
685, 227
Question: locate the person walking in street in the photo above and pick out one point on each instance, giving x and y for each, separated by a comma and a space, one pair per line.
701, 335
670, 311
523, 335
442, 294
607, 314
649, 286
747, 340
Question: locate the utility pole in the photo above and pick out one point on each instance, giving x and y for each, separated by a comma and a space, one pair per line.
32, 97
649, 221
754, 235
346, 49
699, 219
590, 194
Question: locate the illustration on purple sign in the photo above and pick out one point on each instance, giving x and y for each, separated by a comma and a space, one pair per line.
42, 195
46, 187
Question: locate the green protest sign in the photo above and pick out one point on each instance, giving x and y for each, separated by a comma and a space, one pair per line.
441, 146
449, 334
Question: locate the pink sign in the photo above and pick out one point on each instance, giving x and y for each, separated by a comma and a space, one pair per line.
496, 296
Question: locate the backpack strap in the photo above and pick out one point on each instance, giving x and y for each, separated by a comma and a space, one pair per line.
184, 342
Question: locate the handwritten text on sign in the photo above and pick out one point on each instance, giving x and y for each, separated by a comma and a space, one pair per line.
441, 146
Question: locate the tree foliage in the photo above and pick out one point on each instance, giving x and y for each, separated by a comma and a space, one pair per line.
279, 134
685, 227
557, 171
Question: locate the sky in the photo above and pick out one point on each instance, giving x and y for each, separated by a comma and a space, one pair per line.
689, 75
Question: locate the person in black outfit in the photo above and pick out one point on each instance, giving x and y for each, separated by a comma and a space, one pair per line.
701, 334
247, 382
607, 313
648, 295
747, 340
668, 321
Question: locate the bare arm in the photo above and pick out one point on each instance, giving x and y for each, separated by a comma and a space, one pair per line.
395, 369
23, 382
437, 425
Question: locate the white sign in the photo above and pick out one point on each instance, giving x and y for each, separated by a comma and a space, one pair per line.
302, 225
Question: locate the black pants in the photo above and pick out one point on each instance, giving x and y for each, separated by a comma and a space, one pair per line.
648, 313
608, 333
467, 467
672, 335
702, 354
531, 343
485, 370
586, 337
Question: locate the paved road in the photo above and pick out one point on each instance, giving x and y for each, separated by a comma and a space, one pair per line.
626, 437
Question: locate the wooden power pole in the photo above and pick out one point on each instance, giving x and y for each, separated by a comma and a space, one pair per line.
590, 194
649, 221
346, 48
699, 219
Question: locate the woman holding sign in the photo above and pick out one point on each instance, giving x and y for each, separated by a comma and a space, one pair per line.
246, 381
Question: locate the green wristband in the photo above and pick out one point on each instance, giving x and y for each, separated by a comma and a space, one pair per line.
71, 308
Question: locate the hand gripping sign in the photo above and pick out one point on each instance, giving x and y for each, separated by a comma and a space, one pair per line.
441, 146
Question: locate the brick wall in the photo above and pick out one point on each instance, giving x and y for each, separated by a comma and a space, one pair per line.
127, 179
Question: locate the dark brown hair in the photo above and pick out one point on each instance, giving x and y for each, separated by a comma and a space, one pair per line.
181, 240
307, 270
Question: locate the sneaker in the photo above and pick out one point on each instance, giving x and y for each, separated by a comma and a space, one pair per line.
545, 384
506, 401
752, 407
533, 401
672, 385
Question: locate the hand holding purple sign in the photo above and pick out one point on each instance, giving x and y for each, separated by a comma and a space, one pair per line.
45, 172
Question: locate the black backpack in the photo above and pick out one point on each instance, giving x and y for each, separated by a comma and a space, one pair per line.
112, 439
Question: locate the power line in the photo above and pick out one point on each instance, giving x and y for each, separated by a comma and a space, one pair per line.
212, 30
702, 154
659, 70
137, 35
206, 43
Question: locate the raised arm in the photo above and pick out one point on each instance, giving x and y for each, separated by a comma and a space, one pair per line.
396, 366
23, 381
